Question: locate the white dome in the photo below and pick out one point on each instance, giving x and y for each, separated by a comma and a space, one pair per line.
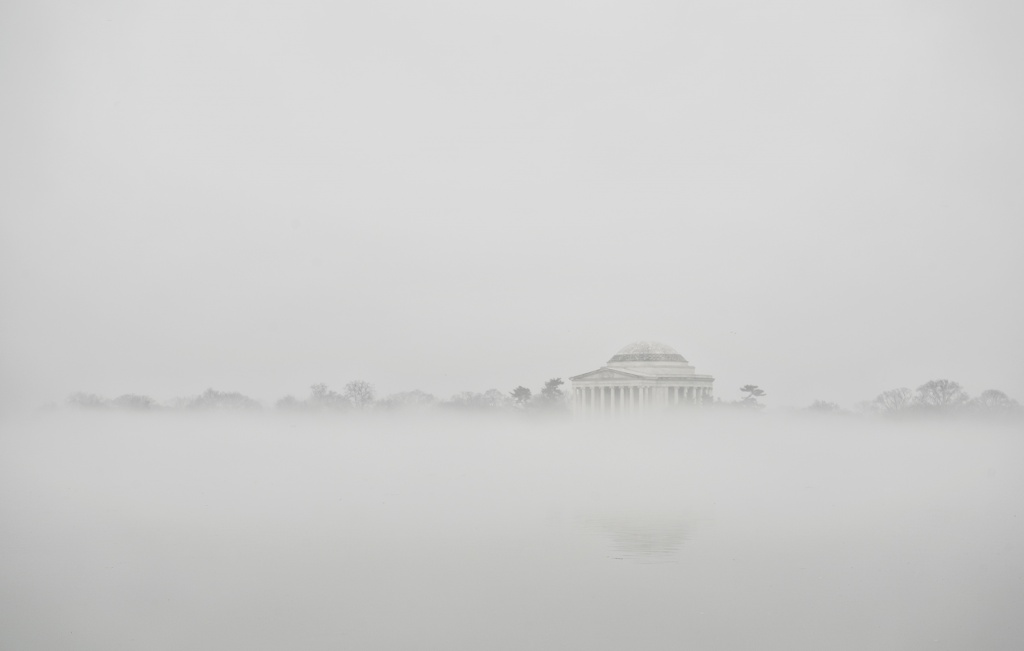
646, 351
651, 358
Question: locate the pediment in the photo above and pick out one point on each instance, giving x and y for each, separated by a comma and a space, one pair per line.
607, 374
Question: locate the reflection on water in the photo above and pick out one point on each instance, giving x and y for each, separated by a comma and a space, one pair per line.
640, 538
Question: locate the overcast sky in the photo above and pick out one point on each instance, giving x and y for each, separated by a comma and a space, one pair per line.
824, 199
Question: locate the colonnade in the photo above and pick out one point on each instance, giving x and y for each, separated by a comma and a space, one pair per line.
613, 400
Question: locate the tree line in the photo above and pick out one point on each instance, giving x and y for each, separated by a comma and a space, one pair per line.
941, 397
933, 398
936, 397
355, 396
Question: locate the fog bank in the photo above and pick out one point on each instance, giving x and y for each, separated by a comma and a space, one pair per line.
170, 531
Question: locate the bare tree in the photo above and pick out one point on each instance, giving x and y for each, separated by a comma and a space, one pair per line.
490, 400
360, 394
414, 399
87, 401
495, 399
941, 394
134, 402
894, 401
213, 399
320, 397
995, 401
288, 403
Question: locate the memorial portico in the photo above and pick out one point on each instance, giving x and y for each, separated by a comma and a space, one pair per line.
642, 377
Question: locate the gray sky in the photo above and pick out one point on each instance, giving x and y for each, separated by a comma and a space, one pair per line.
821, 198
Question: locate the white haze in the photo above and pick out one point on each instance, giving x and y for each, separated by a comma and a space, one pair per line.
823, 199
177, 531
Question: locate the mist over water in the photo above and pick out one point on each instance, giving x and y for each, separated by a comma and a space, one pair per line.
277, 259
745, 531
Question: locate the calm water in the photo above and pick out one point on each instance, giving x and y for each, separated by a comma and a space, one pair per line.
171, 532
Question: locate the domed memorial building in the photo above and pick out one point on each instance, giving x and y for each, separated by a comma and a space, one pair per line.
641, 376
